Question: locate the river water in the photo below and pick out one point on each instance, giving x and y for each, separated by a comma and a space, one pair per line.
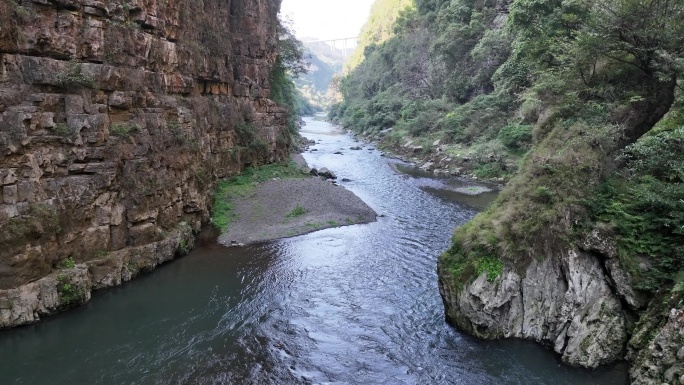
350, 305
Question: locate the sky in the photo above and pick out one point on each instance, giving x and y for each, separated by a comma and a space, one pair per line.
327, 19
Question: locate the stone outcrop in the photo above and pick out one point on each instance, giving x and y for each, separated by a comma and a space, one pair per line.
567, 303
656, 349
116, 118
581, 304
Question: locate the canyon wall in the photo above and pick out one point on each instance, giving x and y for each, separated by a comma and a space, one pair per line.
116, 119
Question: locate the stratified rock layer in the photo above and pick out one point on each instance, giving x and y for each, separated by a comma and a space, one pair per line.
116, 117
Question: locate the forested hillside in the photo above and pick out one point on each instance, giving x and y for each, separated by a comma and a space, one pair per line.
378, 28
579, 104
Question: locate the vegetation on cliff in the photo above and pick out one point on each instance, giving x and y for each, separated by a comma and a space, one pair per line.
378, 28
599, 83
577, 102
554, 89
441, 78
290, 64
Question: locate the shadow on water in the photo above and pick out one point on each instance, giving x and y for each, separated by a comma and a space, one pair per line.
476, 195
349, 305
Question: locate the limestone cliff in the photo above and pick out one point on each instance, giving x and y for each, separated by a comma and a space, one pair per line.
116, 117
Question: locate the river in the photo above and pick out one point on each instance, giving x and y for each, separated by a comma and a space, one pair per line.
350, 305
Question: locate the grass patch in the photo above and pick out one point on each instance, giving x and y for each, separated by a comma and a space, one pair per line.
297, 212
61, 129
490, 264
244, 184
123, 130
465, 265
73, 77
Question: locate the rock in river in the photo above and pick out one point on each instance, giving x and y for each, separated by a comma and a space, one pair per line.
324, 172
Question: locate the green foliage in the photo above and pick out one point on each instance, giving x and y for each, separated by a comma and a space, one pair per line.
492, 265
243, 184
660, 155
467, 263
184, 246
435, 79
297, 212
68, 293
290, 63
379, 27
516, 136
488, 171
61, 129
21, 11
69, 263
543, 194
123, 130
73, 77
646, 209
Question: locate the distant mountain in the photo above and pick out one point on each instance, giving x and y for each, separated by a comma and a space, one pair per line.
326, 61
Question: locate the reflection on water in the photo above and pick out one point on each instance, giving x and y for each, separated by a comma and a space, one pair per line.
351, 305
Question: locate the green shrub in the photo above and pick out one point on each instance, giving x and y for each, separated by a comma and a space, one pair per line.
68, 293
123, 130
492, 265
40, 220
489, 171
646, 209
516, 136
73, 77
542, 194
69, 263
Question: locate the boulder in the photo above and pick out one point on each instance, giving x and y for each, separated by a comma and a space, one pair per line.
327, 174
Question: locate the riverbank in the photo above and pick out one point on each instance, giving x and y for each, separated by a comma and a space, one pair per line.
354, 304
287, 206
442, 159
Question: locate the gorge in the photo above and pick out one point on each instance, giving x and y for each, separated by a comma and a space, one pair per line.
119, 118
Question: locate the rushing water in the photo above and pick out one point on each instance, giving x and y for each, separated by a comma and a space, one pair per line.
351, 305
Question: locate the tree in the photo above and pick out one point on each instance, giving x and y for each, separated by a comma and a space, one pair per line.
291, 55
647, 34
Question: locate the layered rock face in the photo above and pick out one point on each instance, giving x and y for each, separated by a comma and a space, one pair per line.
116, 117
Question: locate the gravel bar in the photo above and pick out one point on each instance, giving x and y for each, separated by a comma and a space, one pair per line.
266, 214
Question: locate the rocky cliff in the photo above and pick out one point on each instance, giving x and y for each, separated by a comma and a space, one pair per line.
537, 265
116, 117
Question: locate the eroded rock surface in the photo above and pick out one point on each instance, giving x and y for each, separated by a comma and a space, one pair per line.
116, 117
580, 303
656, 349
566, 303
